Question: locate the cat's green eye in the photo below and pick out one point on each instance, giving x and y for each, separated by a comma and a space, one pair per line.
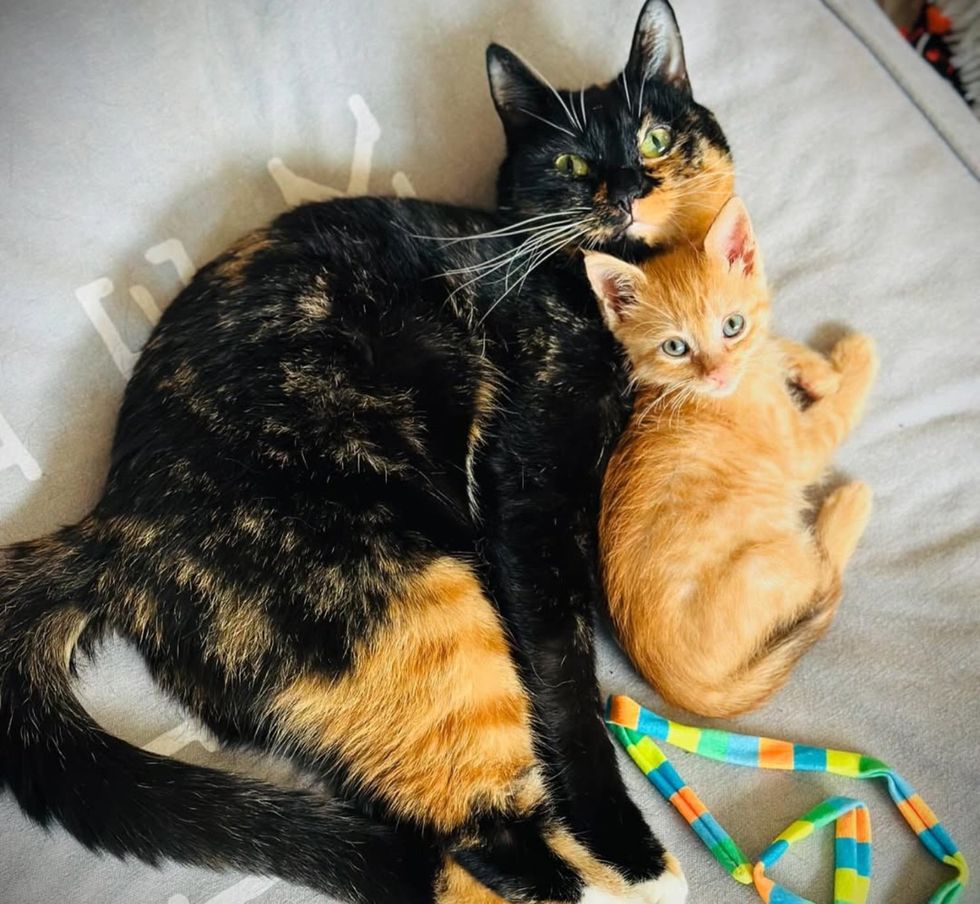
733, 325
571, 165
655, 143
676, 348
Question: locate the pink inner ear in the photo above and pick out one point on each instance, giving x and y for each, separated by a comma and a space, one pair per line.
740, 246
617, 294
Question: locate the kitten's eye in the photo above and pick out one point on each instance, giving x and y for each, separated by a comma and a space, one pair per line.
571, 165
733, 325
676, 348
655, 143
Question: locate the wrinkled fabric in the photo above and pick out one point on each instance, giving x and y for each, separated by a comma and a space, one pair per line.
137, 139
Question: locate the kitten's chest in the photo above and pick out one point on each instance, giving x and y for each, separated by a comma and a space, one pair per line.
765, 407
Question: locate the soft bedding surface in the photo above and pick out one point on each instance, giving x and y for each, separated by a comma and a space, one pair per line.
139, 138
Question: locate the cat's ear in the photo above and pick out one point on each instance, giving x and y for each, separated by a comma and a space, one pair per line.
731, 239
518, 94
616, 284
658, 52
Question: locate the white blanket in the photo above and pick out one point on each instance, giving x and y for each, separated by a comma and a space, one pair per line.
138, 138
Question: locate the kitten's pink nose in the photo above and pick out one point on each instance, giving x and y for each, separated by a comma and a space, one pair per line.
717, 377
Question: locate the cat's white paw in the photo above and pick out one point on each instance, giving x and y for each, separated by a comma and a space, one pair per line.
669, 888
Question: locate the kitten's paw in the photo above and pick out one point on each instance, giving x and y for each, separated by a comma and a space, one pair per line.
855, 355
817, 384
669, 888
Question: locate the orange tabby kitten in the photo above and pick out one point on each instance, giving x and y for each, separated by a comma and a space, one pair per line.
715, 584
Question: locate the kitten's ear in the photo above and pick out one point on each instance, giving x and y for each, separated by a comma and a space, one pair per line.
517, 93
658, 52
731, 239
616, 285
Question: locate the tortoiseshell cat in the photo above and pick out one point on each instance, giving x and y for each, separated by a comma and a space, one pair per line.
715, 584
351, 518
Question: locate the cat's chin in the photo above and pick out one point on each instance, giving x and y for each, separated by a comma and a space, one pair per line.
648, 233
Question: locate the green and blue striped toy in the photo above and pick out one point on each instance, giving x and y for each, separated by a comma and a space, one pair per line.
637, 729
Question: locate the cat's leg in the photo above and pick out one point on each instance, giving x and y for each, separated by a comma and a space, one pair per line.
548, 590
824, 425
431, 726
810, 370
539, 503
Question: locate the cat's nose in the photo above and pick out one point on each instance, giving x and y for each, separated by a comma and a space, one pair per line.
624, 187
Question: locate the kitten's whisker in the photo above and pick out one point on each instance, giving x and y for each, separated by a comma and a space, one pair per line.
581, 103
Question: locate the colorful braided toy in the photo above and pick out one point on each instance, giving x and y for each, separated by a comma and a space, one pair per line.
636, 728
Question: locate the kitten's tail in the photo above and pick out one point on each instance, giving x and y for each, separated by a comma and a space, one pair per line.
113, 797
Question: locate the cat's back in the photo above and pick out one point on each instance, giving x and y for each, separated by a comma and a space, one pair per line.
315, 331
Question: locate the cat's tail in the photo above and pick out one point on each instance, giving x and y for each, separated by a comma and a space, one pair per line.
114, 797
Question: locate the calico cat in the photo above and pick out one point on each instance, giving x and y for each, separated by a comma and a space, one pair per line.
351, 518
715, 585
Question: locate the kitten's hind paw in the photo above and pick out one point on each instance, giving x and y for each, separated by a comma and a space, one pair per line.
855, 355
669, 888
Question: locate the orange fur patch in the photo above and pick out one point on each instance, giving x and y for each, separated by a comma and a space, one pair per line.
686, 202
457, 886
432, 718
593, 873
231, 265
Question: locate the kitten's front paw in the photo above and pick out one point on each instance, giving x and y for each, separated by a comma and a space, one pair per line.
855, 355
669, 888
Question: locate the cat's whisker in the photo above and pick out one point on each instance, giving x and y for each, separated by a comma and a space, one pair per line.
542, 256
571, 116
542, 232
547, 122
506, 229
506, 258
527, 247
530, 260
554, 237
528, 256
581, 103
626, 90
558, 246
